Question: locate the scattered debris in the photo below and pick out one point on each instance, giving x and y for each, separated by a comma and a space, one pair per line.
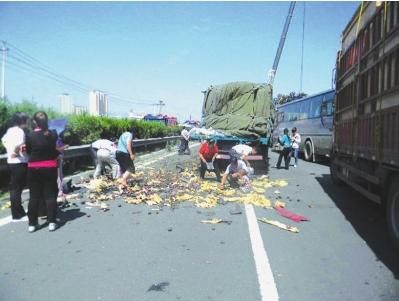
237, 210
279, 204
279, 225
161, 188
160, 287
212, 221
215, 221
6, 205
290, 215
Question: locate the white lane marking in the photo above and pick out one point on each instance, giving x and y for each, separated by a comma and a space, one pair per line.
5, 220
268, 289
8, 219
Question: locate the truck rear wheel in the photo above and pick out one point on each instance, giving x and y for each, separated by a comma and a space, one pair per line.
392, 211
308, 151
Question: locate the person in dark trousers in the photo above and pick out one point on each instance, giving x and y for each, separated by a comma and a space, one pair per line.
285, 141
207, 153
14, 142
42, 171
125, 156
185, 137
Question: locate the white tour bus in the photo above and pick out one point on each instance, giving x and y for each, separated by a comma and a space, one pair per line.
313, 118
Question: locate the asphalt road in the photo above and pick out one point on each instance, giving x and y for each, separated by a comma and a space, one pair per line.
132, 252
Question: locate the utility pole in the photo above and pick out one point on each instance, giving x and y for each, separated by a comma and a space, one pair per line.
160, 104
303, 39
4, 49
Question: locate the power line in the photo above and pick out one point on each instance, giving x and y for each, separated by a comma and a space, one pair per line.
44, 67
15, 66
38, 68
37, 71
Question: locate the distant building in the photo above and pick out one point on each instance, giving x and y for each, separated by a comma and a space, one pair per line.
66, 106
98, 103
80, 110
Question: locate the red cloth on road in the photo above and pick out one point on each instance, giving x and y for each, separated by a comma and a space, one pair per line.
208, 152
292, 216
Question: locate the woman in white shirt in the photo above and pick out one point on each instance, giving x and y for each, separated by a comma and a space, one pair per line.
14, 142
296, 139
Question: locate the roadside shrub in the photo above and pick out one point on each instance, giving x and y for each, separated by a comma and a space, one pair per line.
84, 129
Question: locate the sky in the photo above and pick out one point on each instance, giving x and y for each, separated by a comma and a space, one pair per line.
169, 51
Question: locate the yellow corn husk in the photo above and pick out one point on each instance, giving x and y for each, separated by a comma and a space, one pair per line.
279, 225
183, 197
209, 187
211, 221
156, 198
279, 204
130, 200
204, 205
226, 192
6, 206
256, 200
209, 202
134, 188
233, 199
279, 183
258, 190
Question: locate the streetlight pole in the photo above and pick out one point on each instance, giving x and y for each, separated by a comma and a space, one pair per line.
161, 104
4, 49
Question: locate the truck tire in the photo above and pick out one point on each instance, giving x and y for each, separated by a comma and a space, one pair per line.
333, 174
392, 212
308, 151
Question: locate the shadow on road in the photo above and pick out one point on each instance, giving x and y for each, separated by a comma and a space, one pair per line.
66, 216
367, 218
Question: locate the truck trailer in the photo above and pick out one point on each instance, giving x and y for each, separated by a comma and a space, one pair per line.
365, 148
238, 113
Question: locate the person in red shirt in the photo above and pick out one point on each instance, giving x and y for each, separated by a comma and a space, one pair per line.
207, 153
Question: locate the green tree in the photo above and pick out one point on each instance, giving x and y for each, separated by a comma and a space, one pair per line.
284, 98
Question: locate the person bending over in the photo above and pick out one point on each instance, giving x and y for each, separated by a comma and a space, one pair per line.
207, 153
125, 155
106, 155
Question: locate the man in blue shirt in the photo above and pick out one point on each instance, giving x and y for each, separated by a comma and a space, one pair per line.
125, 155
285, 141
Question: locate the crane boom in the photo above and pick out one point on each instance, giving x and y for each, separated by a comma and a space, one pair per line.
272, 72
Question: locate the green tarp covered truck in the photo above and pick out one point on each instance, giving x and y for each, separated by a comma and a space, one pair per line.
239, 112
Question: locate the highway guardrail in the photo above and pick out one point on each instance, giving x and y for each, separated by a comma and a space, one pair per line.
84, 150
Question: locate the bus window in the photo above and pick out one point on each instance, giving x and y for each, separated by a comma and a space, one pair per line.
330, 108
327, 108
304, 110
315, 107
294, 110
280, 117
